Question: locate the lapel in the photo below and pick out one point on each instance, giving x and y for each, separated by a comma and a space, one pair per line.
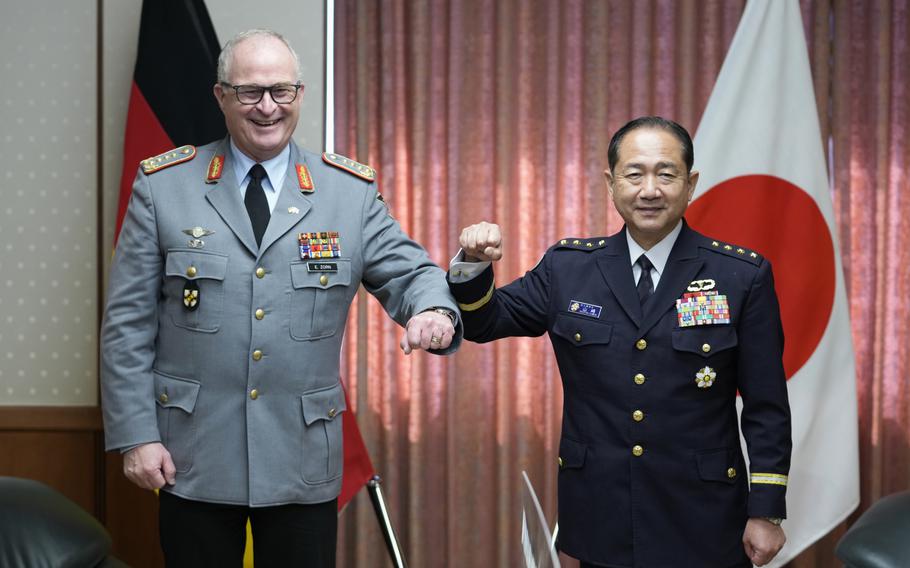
616, 268
225, 198
282, 219
682, 266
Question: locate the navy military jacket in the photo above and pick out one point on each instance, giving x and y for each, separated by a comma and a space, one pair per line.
651, 468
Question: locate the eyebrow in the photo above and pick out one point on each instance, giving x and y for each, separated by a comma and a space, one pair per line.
659, 166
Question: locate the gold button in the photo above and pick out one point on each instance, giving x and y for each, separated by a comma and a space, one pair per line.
260, 313
560, 462
706, 348
731, 473
637, 450
324, 279
638, 416
332, 413
191, 271
254, 394
641, 344
577, 337
639, 379
257, 355
163, 397
260, 272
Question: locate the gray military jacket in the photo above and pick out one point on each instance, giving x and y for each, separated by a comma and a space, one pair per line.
228, 353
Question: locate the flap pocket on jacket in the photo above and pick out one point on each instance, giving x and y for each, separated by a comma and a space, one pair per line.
171, 392
194, 265
321, 274
323, 404
582, 331
571, 454
704, 340
718, 465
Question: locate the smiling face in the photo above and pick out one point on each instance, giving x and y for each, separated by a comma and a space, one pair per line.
260, 131
649, 184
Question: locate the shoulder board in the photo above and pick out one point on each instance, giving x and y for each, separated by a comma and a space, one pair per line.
168, 159
734, 251
581, 244
360, 170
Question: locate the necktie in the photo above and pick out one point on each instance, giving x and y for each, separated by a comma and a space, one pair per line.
645, 284
256, 204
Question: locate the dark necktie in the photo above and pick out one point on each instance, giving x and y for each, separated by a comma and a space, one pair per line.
256, 204
645, 284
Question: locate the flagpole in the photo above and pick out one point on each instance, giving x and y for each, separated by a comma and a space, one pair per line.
385, 523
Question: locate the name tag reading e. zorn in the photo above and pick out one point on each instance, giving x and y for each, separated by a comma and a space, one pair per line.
322, 267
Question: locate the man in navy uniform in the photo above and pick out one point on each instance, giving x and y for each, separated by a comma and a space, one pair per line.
228, 298
655, 330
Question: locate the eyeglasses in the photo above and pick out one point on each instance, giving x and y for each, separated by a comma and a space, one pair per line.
252, 94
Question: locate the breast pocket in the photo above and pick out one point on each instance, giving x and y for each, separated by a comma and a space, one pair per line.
580, 331
317, 297
705, 341
322, 451
194, 287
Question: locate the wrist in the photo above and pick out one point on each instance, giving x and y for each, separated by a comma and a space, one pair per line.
776, 521
446, 312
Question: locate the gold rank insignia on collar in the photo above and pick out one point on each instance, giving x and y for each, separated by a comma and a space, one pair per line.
582, 244
362, 171
215, 169
305, 179
168, 159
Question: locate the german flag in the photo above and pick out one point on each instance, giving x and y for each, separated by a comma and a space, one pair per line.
171, 100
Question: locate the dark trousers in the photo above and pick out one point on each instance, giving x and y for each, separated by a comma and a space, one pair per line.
197, 534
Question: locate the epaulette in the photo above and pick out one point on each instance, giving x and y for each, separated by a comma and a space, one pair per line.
168, 159
581, 244
362, 171
734, 251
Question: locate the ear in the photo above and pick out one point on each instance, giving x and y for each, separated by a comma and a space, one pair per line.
693, 180
218, 91
608, 177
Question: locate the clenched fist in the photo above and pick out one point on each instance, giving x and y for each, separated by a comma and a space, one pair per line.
481, 242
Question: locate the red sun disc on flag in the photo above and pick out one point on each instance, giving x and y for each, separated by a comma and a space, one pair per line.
784, 224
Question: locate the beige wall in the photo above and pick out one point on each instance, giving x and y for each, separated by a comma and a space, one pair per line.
49, 221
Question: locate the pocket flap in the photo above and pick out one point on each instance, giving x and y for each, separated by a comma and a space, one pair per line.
171, 392
323, 404
718, 465
194, 265
582, 331
704, 340
324, 273
571, 454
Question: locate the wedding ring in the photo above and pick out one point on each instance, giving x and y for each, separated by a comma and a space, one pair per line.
434, 339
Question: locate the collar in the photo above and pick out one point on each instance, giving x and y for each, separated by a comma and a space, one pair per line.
659, 253
276, 168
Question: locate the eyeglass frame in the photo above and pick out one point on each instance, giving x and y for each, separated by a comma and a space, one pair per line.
297, 87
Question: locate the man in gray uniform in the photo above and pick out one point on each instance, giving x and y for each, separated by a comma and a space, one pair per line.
221, 339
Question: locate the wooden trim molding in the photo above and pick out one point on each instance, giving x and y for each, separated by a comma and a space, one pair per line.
56, 418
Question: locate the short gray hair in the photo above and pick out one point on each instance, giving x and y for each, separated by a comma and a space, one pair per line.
225, 58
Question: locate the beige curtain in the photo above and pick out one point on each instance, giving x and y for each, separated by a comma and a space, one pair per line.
502, 110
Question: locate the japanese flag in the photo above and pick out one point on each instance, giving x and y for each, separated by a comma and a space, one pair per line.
764, 186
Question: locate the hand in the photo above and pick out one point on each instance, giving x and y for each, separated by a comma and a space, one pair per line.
427, 330
149, 466
481, 242
762, 540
